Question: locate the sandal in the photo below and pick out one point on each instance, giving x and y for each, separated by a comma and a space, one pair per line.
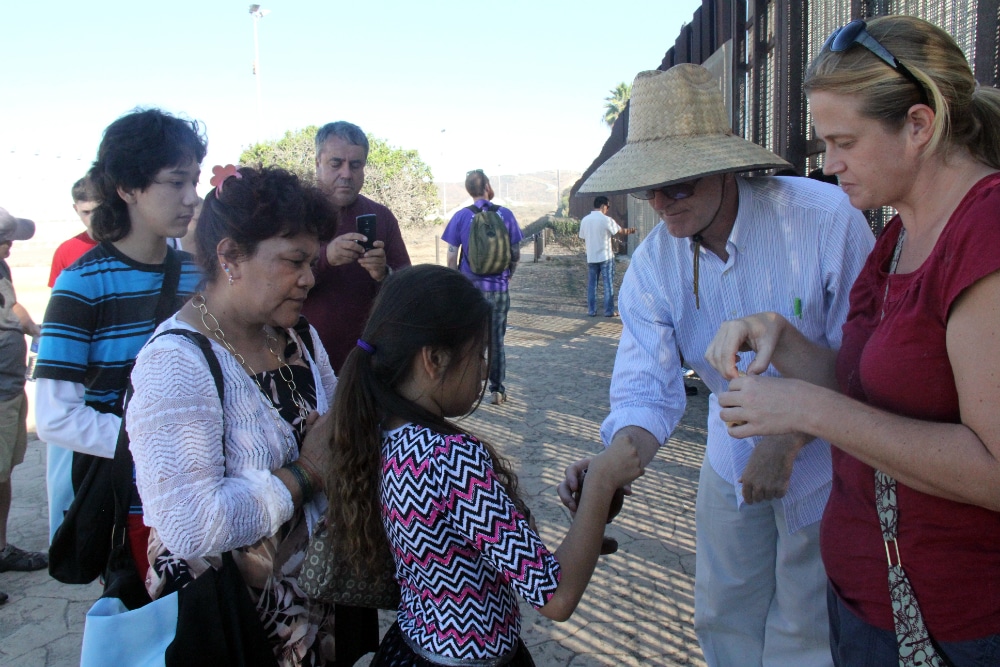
12, 558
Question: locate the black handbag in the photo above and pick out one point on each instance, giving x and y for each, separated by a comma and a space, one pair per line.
81, 547
217, 622
121, 576
82, 543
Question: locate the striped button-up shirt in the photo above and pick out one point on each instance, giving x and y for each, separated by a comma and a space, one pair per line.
796, 247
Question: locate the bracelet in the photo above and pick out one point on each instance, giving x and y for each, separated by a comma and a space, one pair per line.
302, 479
314, 477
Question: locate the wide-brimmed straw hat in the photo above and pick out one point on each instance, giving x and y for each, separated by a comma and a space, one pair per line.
677, 131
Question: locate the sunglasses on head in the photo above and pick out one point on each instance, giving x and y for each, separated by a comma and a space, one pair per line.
675, 191
856, 32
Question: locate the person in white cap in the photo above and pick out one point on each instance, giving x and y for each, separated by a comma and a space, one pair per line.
15, 322
729, 246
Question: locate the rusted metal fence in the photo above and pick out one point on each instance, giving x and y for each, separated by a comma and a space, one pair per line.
762, 48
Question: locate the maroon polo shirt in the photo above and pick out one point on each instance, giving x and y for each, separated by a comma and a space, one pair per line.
339, 303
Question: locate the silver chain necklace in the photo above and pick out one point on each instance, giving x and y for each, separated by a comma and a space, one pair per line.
211, 324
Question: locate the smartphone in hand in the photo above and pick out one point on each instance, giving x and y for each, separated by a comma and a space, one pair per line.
366, 226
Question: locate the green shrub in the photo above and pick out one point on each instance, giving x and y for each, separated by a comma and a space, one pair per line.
565, 226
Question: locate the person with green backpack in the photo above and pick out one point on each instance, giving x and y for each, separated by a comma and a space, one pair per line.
489, 238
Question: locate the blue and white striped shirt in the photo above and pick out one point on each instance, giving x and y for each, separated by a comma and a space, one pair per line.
796, 247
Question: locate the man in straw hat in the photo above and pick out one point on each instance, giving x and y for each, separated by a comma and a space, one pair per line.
728, 246
15, 322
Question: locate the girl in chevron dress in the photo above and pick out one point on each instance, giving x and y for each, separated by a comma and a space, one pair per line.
405, 477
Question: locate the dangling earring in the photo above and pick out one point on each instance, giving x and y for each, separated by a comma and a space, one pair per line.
225, 267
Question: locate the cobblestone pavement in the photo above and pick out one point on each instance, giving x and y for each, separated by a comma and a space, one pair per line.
638, 609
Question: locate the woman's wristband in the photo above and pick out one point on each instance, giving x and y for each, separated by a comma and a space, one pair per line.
314, 477
302, 478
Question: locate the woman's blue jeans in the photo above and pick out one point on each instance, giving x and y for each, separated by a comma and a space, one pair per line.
855, 643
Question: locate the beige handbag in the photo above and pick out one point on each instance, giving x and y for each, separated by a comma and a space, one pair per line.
329, 576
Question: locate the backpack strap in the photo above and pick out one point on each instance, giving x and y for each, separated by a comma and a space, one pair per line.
490, 206
461, 246
165, 306
205, 345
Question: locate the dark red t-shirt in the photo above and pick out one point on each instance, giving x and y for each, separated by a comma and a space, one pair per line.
949, 550
339, 303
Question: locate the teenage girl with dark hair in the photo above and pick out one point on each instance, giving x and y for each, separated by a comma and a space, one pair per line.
446, 501
103, 307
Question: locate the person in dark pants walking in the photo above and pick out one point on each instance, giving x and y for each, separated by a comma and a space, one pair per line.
493, 286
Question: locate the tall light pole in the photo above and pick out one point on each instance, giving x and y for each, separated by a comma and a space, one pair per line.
257, 13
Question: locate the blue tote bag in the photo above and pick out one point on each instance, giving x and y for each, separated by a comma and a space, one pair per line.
113, 635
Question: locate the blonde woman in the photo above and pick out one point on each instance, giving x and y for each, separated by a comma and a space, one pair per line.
910, 399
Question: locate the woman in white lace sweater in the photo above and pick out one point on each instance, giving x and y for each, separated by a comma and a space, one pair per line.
245, 475
200, 500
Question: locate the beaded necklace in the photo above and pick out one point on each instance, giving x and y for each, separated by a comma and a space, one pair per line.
284, 370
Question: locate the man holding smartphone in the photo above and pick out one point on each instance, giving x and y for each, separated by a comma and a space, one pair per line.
366, 248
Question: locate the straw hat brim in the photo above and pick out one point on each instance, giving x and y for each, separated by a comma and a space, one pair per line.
651, 164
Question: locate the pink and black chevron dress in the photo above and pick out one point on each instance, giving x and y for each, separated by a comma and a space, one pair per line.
462, 548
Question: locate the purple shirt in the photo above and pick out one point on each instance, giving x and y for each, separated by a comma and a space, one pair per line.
457, 234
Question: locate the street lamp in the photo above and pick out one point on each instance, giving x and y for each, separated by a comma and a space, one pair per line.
257, 13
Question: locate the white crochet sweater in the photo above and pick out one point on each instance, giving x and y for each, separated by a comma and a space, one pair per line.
200, 502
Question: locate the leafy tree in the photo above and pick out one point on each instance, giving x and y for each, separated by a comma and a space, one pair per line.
394, 177
399, 179
295, 152
616, 101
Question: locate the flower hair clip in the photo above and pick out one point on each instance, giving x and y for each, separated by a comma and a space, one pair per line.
220, 174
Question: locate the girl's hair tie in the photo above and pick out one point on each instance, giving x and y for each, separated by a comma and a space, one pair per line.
220, 174
366, 347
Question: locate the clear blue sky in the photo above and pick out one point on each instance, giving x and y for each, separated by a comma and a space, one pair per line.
516, 86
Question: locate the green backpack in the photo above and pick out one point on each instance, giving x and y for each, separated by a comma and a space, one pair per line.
489, 242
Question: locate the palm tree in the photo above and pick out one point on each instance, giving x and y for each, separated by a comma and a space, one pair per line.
615, 102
